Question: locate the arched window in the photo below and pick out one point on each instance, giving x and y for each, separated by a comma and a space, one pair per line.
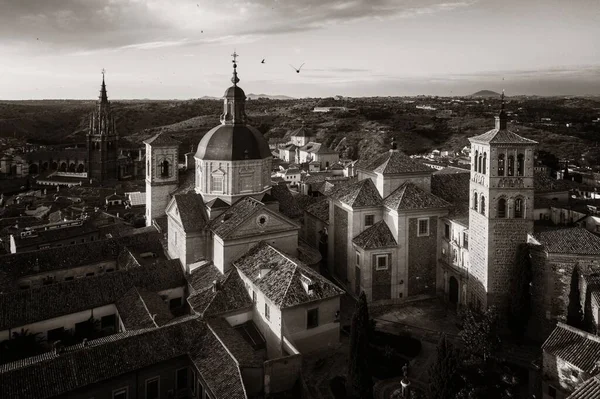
519, 209
501, 165
475, 200
164, 168
484, 162
501, 208
511, 165
520, 164
479, 161
482, 206
475, 160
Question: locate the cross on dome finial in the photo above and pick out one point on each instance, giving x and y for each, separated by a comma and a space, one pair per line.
235, 79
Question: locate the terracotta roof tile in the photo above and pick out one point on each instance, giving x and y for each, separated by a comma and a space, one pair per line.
140, 308
283, 282
502, 136
376, 236
241, 350
453, 188
394, 162
360, 194
590, 389
572, 240
319, 209
543, 183
409, 197
575, 346
227, 222
191, 210
287, 203
161, 139
230, 295
217, 203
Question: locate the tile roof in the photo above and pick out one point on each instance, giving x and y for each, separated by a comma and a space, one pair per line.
203, 277
574, 346
544, 183
571, 240
393, 162
449, 170
191, 211
319, 209
302, 132
140, 308
217, 203
48, 236
360, 194
36, 304
590, 389
317, 148
161, 139
241, 350
376, 236
230, 295
502, 136
226, 223
283, 282
409, 197
453, 188
287, 202
50, 375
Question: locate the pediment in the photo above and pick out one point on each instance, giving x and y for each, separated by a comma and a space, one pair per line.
263, 221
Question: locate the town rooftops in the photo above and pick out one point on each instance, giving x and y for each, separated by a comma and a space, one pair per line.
24, 307
590, 389
140, 308
411, 197
319, 209
574, 346
78, 366
235, 343
376, 236
543, 183
393, 162
224, 295
453, 188
500, 136
287, 282
40, 237
571, 240
191, 211
226, 223
317, 148
302, 132
162, 139
360, 194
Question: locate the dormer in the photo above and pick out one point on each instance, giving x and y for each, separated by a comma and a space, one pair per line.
307, 283
263, 272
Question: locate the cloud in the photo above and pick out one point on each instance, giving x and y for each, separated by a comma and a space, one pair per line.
83, 25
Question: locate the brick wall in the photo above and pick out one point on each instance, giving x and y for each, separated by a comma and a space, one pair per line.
422, 258
340, 242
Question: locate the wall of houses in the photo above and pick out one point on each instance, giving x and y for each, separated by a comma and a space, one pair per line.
561, 375
325, 335
281, 374
422, 260
188, 247
37, 280
453, 259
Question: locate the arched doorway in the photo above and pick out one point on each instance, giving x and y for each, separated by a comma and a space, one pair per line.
72, 167
80, 168
44, 166
453, 290
63, 167
54, 165
33, 169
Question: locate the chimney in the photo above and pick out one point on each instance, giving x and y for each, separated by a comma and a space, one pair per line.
216, 286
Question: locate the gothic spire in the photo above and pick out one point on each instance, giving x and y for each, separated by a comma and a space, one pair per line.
103, 95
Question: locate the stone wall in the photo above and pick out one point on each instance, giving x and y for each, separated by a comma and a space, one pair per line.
340, 244
281, 374
422, 258
381, 279
478, 255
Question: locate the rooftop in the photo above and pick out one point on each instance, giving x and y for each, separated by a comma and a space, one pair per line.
229, 294
319, 209
140, 308
376, 236
191, 211
453, 188
360, 194
571, 240
500, 136
590, 389
574, 346
162, 139
411, 197
393, 162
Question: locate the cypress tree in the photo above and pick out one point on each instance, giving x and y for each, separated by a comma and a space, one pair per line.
360, 381
588, 317
443, 373
574, 310
520, 300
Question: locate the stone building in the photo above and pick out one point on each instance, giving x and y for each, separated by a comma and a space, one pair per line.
162, 174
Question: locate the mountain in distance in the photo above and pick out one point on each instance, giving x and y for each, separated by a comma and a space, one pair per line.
485, 93
210, 98
253, 96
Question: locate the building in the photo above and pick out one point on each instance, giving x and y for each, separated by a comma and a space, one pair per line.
52, 235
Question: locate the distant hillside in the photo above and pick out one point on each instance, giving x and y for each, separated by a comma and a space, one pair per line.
485, 93
253, 96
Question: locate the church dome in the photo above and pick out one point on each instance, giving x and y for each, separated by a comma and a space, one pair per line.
233, 143
235, 92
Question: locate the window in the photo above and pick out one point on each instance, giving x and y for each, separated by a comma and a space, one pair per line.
357, 259
423, 227
484, 162
479, 163
475, 161
267, 312
381, 262
181, 379
174, 303
253, 296
152, 388
121, 393
447, 231
216, 184
482, 205
519, 208
501, 208
466, 240
55, 334
520, 164
312, 318
108, 322
501, 165
164, 168
475, 200
511, 165
369, 220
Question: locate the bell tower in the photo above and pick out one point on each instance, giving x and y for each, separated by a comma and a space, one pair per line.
501, 210
102, 140
162, 174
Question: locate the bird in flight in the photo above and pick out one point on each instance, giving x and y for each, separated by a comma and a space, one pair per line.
263, 61
297, 69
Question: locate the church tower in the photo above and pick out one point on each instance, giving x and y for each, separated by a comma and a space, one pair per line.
102, 140
162, 174
501, 210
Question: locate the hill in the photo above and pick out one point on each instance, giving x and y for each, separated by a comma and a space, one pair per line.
485, 93
253, 96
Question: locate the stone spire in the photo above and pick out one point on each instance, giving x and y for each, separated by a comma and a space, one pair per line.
103, 95
234, 111
502, 118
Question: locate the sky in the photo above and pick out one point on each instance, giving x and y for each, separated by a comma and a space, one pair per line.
166, 49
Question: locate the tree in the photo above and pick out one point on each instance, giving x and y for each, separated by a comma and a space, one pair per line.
520, 300
574, 310
588, 323
480, 334
360, 381
443, 373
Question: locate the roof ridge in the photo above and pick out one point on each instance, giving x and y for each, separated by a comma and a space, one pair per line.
145, 306
579, 332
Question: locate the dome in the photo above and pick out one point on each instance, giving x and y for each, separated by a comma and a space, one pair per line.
230, 143
235, 92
